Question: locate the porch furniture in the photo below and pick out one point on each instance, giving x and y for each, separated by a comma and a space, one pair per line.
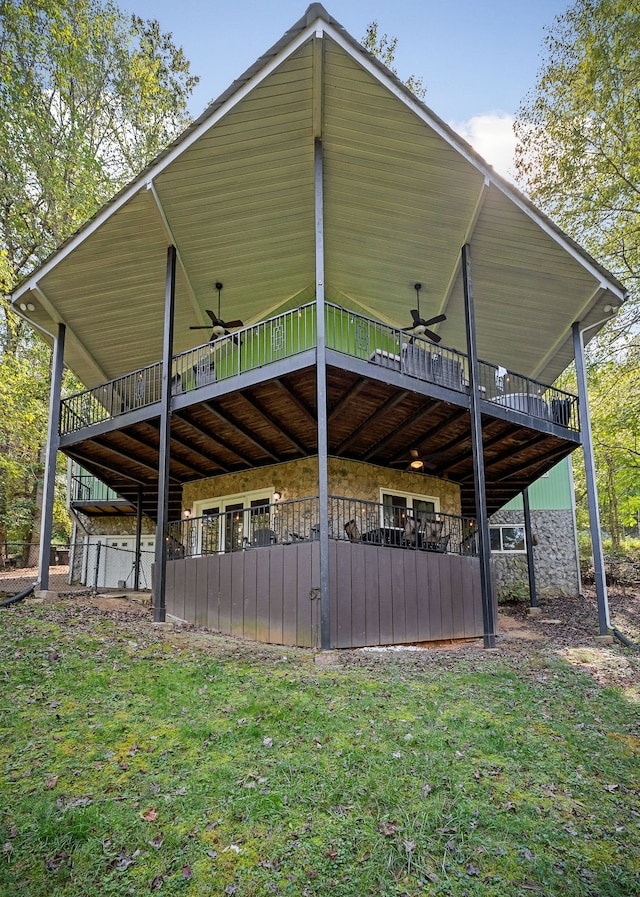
434, 367
352, 531
204, 369
561, 411
526, 402
386, 359
434, 540
385, 535
263, 537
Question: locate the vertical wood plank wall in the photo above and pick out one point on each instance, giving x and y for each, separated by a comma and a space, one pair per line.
379, 595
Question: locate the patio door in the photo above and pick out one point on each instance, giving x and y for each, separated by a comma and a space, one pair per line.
234, 522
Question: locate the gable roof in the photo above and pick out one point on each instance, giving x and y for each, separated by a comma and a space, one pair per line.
235, 194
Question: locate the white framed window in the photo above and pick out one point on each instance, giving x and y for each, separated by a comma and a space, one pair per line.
230, 522
397, 506
507, 539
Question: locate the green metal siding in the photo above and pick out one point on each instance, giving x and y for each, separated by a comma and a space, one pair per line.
552, 493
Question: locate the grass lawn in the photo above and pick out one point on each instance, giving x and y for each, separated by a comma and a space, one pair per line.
137, 760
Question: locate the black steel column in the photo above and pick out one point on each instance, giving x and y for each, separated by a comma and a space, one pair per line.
53, 441
592, 489
159, 593
528, 536
484, 543
321, 389
136, 575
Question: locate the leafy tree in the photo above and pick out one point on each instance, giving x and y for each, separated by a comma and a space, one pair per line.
578, 157
579, 137
88, 97
384, 48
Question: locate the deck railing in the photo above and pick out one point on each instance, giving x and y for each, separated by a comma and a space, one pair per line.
529, 396
349, 519
394, 349
293, 332
86, 487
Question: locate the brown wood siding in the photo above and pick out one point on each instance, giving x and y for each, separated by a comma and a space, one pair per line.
379, 595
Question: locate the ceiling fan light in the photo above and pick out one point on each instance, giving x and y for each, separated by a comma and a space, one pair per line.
417, 464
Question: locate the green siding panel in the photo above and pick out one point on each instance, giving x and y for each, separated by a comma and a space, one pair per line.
552, 493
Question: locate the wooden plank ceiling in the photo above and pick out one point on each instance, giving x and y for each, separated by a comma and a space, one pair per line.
275, 421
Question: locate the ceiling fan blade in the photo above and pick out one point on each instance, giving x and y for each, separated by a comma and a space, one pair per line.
434, 337
233, 323
212, 316
436, 320
415, 314
200, 327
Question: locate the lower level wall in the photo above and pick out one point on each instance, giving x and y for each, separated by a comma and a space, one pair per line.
379, 595
554, 557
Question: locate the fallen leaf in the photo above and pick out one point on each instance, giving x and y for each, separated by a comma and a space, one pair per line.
472, 870
157, 883
267, 742
150, 815
186, 871
157, 842
52, 782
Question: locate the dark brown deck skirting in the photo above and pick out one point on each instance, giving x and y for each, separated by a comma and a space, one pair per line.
379, 595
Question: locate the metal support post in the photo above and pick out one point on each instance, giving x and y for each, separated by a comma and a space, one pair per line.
53, 441
159, 594
484, 543
321, 388
136, 573
528, 536
592, 489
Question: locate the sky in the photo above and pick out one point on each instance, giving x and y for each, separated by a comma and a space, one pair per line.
477, 58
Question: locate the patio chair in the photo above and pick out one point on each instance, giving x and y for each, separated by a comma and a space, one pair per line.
352, 531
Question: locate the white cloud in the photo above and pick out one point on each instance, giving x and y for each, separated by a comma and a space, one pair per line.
491, 134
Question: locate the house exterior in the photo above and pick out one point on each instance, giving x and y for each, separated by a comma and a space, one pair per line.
323, 466
555, 543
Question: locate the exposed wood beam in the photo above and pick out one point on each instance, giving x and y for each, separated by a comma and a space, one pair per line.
435, 432
409, 422
347, 397
240, 428
299, 403
183, 418
389, 405
274, 423
210, 459
464, 456
196, 470
130, 459
92, 462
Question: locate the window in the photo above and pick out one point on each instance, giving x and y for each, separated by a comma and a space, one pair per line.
507, 538
397, 506
231, 522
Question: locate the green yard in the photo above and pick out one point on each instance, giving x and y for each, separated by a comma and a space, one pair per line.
141, 760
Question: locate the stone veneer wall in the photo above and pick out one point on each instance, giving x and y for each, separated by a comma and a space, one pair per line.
109, 525
298, 479
554, 557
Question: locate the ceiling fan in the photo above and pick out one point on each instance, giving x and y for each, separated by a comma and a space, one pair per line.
218, 326
418, 461
420, 327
